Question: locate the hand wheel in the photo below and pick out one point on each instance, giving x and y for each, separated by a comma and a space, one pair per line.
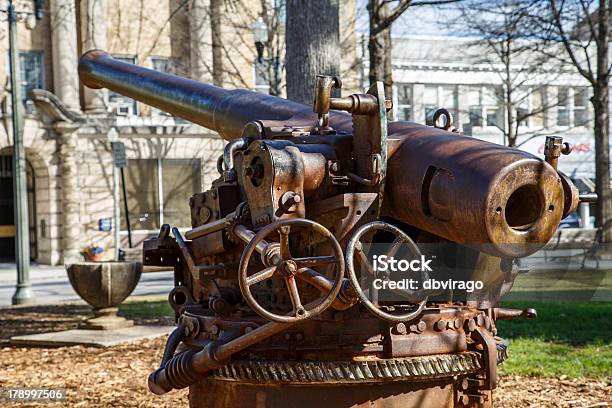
354, 249
280, 263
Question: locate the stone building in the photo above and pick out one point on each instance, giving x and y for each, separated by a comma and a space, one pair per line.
68, 127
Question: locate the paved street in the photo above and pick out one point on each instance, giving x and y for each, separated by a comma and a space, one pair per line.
51, 286
50, 283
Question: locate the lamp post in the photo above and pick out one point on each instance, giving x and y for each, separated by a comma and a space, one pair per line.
23, 290
261, 40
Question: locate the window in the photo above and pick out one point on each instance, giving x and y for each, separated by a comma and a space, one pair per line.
119, 104
563, 109
158, 192
404, 102
440, 96
475, 106
164, 64
581, 113
180, 180
143, 200
522, 116
490, 100
521, 102
31, 70
493, 117
537, 106
170, 66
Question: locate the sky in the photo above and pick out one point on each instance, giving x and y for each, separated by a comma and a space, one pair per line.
423, 20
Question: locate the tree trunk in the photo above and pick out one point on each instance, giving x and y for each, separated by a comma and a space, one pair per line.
312, 44
602, 162
216, 39
380, 46
600, 102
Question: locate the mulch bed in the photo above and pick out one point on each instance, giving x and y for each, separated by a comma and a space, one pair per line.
117, 376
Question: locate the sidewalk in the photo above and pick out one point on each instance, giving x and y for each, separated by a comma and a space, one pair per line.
50, 284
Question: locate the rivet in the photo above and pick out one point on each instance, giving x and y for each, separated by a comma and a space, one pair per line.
470, 324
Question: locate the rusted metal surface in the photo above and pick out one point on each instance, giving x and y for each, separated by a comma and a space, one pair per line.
430, 394
265, 315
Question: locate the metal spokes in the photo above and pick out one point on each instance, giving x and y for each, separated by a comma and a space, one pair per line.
292, 269
354, 251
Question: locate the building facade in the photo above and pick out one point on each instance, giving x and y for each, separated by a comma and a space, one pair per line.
68, 128
447, 72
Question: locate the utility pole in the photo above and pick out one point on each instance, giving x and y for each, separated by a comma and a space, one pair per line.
23, 290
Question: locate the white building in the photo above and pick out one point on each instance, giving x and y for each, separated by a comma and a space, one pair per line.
448, 72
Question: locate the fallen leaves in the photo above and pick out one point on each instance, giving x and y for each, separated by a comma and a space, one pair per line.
117, 376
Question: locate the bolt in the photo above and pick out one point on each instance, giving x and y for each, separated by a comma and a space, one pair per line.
457, 323
334, 166
214, 329
401, 328
440, 325
291, 267
248, 329
487, 321
419, 327
470, 324
566, 148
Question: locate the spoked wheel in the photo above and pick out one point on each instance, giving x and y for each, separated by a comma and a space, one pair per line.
355, 254
280, 263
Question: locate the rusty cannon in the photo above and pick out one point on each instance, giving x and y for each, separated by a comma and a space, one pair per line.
280, 297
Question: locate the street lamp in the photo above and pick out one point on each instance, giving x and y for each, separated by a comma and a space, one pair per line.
260, 36
23, 290
271, 66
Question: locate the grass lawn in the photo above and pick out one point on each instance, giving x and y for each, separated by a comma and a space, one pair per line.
145, 309
568, 338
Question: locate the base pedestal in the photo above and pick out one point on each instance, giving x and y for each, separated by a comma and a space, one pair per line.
106, 319
222, 394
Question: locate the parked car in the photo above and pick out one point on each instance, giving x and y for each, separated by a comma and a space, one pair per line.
571, 221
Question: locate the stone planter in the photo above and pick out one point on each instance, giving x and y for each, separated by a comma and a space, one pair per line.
104, 286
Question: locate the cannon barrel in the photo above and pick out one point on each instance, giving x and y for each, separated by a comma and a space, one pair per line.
505, 201
218, 109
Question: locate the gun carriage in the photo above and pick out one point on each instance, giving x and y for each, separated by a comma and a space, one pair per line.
273, 287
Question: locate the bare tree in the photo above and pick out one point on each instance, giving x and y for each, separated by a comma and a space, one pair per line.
218, 71
313, 45
382, 15
502, 44
272, 15
579, 34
